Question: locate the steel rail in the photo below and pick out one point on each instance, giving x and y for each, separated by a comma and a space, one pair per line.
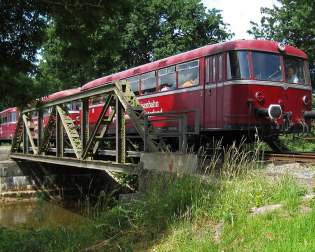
304, 157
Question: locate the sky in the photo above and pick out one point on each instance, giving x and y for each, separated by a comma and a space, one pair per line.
239, 13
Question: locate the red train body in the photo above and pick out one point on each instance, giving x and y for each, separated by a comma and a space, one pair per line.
7, 124
237, 86
234, 87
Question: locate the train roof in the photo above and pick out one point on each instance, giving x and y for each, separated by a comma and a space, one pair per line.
61, 94
12, 109
256, 45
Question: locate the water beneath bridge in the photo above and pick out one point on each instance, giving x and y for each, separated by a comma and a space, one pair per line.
37, 215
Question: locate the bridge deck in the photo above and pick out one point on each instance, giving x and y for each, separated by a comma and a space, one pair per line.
85, 164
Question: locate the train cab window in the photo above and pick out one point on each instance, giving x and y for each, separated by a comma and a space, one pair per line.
237, 65
134, 84
188, 74
267, 66
294, 70
307, 73
167, 79
148, 83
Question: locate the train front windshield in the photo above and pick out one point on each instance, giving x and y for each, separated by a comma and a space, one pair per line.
267, 67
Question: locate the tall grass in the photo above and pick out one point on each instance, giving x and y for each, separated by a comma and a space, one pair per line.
183, 212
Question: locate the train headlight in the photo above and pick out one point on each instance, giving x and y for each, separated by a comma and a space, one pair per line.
306, 100
260, 97
274, 111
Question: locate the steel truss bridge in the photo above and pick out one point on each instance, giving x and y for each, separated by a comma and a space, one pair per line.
105, 146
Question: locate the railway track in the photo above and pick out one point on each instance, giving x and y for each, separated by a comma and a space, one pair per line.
303, 157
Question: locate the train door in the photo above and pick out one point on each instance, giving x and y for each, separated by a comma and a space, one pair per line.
211, 92
220, 90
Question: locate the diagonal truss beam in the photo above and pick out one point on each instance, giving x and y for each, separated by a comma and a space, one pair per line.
71, 131
134, 110
29, 133
18, 135
48, 131
94, 140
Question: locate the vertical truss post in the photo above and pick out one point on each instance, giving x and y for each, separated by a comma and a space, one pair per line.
183, 133
85, 122
39, 130
59, 136
120, 133
25, 137
146, 132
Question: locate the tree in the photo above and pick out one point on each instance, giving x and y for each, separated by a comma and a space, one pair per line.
21, 34
290, 21
151, 30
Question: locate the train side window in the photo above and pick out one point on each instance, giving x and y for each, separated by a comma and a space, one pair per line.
134, 84
214, 69
148, 83
188, 74
220, 67
95, 100
167, 79
208, 69
237, 65
13, 117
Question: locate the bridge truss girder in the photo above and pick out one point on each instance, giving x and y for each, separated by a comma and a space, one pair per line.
60, 129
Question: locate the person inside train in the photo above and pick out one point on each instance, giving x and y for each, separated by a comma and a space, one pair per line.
291, 75
191, 79
165, 87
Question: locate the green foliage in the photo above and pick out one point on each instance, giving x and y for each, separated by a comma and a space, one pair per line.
150, 30
21, 34
291, 21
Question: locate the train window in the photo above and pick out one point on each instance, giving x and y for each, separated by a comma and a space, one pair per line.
294, 70
13, 117
188, 74
208, 69
214, 69
267, 66
95, 100
220, 57
167, 79
148, 83
134, 84
237, 65
307, 73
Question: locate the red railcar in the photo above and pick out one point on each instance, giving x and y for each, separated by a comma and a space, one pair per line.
73, 107
8, 119
236, 87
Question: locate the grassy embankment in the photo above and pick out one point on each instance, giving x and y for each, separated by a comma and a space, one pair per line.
190, 213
